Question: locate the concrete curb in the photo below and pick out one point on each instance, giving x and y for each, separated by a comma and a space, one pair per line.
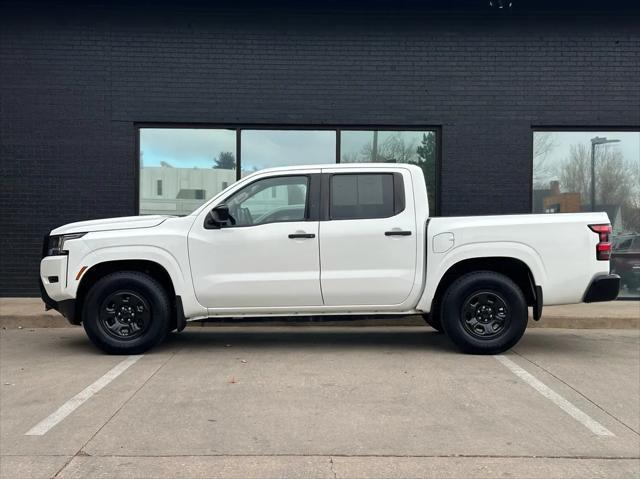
16, 313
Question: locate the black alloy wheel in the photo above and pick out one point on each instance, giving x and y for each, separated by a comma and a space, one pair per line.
485, 314
127, 312
124, 315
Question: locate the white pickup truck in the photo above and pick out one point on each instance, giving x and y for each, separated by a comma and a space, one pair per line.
351, 239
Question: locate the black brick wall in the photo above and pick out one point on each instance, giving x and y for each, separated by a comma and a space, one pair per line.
74, 81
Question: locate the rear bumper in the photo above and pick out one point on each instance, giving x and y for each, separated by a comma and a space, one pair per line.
602, 288
66, 308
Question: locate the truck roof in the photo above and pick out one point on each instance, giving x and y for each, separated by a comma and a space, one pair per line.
339, 165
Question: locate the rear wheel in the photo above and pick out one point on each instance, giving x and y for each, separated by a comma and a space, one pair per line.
484, 313
126, 313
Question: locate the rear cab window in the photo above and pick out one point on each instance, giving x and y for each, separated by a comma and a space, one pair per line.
365, 195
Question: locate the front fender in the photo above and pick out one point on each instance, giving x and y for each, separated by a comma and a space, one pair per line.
140, 253
180, 278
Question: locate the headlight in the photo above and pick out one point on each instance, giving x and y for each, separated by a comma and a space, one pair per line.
56, 243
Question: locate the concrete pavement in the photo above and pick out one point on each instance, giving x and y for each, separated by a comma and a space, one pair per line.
321, 402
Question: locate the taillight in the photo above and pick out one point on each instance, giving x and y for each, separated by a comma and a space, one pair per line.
603, 248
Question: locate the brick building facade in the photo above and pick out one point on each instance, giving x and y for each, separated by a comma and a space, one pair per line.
78, 80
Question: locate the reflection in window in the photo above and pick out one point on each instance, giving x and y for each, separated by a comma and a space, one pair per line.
413, 147
564, 163
191, 194
269, 148
180, 168
270, 200
361, 196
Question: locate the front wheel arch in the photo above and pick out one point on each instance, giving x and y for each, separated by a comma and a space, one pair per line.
150, 268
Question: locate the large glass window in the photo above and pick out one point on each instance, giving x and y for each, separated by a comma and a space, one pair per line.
413, 147
180, 168
577, 171
269, 148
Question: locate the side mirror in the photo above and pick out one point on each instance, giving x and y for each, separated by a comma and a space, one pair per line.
219, 217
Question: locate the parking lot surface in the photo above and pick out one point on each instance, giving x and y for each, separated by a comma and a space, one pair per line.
310, 402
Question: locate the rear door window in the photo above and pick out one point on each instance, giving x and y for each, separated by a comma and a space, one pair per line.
361, 196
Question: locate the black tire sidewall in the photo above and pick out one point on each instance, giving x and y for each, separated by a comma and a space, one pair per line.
142, 285
458, 293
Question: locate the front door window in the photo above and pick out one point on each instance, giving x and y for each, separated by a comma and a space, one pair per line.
270, 200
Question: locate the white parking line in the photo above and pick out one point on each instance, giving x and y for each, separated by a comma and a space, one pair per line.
586, 420
76, 401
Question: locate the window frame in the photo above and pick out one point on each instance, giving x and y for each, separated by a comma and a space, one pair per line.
434, 209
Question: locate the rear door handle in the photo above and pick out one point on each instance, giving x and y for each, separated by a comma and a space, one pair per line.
301, 235
397, 233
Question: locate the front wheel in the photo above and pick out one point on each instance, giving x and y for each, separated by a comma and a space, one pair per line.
433, 320
126, 313
484, 313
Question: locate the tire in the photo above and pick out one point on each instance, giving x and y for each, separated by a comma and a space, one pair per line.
433, 320
484, 313
126, 313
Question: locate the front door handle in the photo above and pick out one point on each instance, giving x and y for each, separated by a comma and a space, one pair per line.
301, 235
397, 233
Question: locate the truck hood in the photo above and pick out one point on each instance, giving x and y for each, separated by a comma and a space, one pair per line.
107, 224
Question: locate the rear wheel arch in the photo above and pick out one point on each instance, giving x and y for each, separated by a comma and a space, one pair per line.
150, 268
516, 270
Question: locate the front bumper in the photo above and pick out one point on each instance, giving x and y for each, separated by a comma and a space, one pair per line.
53, 276
602, 288
52, 282
66, 308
